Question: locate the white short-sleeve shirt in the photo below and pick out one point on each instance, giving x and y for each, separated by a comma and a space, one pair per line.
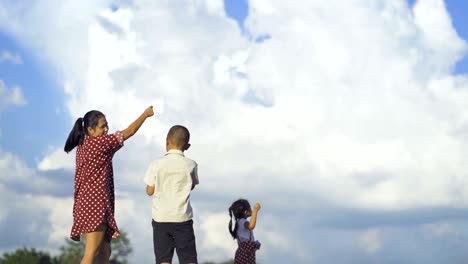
244, 234
172, 177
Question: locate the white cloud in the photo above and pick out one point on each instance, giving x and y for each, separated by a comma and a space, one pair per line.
29, 200
59, 217
350, 101
370, 241
218, 244
436, 27
8, 56
437, 230
20, 178
57, 159
40, 215
10, 96
13, 168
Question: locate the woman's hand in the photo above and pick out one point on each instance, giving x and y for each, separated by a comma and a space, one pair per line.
149, 111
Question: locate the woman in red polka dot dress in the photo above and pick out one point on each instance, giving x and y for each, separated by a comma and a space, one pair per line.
93, 209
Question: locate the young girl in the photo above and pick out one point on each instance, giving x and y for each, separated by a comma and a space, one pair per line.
247, 245
93, 208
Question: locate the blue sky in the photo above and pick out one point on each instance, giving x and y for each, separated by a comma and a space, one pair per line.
457, 11
348, 121
31, 128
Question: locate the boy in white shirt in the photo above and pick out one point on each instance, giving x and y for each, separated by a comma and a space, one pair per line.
170, 180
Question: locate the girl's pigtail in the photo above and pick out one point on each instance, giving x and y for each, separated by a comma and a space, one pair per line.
76, 136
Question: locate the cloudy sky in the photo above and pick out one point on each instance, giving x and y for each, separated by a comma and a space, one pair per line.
347, 120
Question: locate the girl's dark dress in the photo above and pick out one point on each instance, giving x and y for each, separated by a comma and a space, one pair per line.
94, 185
246, 248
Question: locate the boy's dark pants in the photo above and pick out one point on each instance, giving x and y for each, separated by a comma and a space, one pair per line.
170, 236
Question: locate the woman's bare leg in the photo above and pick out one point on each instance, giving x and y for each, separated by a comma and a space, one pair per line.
103, 256
93, 244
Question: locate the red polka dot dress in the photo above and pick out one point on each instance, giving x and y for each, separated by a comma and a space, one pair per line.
94, 185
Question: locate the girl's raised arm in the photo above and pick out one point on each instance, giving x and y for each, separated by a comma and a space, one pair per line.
253, 218
133, 127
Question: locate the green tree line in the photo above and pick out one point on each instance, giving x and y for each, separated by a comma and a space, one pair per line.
71, 253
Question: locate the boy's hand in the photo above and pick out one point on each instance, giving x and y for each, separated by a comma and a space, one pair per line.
149, 111
257, 206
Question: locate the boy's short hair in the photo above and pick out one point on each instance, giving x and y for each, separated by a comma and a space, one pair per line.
178, 135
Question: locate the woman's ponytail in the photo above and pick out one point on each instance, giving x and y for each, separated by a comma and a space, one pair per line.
76, 136
79, 131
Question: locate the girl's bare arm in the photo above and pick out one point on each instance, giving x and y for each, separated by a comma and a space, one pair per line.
253, 218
